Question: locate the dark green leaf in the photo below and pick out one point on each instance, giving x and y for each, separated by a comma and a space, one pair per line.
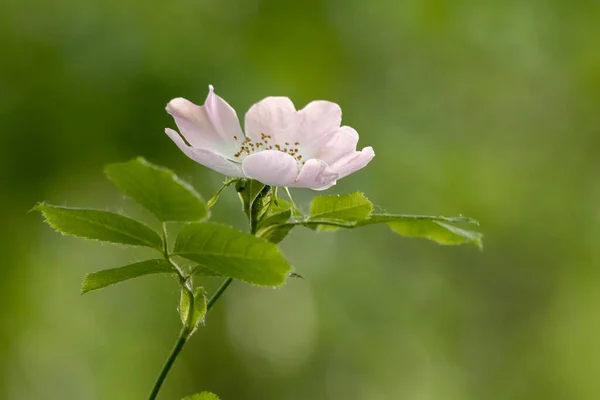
232, 253
158, 190
107, 277
99, 225
199, 307
203, 396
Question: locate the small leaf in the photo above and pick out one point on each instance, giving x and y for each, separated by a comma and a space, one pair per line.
437, 229
351, 207
199, 307
158, 190
202, 396
99, 225
107, 277
232, 253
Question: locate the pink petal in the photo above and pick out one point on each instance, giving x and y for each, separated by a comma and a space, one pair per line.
319, 121
223, 117
206, 157
342, 143
193, 122
316, 175
353, 162
271, 167
275, 116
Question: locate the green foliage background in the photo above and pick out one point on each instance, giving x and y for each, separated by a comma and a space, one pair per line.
491, 109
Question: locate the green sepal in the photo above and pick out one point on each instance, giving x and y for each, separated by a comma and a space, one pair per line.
199, 307
248, 190
273, 225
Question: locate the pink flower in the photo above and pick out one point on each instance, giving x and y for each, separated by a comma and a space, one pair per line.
281, 146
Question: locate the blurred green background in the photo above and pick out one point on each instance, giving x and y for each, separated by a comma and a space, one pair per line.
490, 109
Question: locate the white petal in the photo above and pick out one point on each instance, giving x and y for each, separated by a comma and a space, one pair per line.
275, 116
223, 117
342, 143
206, 157
271, 167
317, 175
353, 162
319, 121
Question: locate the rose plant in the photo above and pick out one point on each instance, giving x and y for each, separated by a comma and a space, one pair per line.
279, 147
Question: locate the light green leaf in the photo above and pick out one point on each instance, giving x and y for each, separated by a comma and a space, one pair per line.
203, 396
199, 307
158, 190
232, 253
99, 225
107, 277
351, 207
437, 229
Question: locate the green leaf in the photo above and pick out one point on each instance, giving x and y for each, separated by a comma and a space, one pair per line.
232, 253
99, 225
437, 229
107, 277
158, 190
203, 396
351, 207
199, 307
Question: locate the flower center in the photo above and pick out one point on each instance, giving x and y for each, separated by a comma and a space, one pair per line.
248, 146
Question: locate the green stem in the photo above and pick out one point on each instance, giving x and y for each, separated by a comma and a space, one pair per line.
181, 341
218, 293
187, 328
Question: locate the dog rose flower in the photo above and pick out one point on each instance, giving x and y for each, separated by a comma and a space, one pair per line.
281, 147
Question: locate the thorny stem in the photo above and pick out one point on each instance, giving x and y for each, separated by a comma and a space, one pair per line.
188, 327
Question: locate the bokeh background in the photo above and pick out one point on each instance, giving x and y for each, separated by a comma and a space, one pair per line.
490, 109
